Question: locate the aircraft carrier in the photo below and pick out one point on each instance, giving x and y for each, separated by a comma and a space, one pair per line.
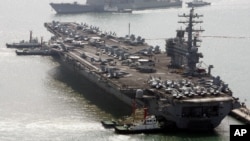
112, 5
172, 84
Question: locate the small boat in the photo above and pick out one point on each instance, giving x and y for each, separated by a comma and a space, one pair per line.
148, 125
138, 122
109, 123
197, 3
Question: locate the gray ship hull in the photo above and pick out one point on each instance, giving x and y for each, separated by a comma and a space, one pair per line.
197, 3
149, 5
23, 45
174, 113
190, 4
193, 119
92, 77
70, 8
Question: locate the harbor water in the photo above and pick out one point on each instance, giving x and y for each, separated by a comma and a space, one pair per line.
40, 100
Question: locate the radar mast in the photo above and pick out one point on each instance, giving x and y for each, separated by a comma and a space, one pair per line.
184, 53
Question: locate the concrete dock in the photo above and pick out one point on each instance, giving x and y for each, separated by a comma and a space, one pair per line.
241, 114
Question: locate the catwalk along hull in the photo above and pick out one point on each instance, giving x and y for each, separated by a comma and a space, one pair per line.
134, 72
69, 8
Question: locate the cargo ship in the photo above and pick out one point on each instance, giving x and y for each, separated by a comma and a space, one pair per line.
171, 84
112, 5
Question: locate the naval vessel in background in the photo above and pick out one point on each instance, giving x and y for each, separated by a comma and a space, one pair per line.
112, 5
197, 3
172, 85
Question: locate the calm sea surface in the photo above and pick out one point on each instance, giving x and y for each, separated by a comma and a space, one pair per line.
39, 100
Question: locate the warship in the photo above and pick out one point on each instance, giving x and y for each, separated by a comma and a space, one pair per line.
112, 5
32, 43
34, 51
173, 84
197, 3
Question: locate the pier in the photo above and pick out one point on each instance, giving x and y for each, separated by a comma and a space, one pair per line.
242, 114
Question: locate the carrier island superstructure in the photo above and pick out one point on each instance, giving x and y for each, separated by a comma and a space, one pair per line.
171, 84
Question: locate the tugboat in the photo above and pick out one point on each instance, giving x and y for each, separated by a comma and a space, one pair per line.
148, 125
32, 43
145, 124
197, 3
